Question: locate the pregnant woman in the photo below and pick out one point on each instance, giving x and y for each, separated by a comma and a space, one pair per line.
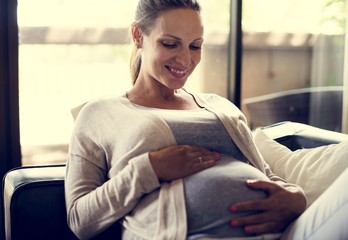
167, 163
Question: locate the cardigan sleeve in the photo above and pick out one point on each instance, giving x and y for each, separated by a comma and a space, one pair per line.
94, 203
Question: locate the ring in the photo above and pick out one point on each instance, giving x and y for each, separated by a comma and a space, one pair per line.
200, 159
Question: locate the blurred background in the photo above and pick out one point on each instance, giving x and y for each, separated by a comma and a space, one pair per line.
71, 51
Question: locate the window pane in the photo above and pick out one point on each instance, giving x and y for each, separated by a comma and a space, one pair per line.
72, 51
293, 62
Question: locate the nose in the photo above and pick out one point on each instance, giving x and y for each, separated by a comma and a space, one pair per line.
184, 57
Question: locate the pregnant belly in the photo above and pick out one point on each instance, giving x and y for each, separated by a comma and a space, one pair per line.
210, 193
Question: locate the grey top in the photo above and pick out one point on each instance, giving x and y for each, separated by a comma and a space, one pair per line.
199, 127
209, 193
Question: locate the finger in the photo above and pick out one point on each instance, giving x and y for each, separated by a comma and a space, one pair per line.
199, 149
267, 227
255, 219
260, 225
205, 157
253, 205
208, 157
201, 163
204, 165
267, 186
191, 152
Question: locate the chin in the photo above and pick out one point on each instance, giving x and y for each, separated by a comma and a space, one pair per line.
177, 86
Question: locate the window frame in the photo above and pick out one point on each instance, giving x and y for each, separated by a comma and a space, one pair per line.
9, 107
10, 153
235, 52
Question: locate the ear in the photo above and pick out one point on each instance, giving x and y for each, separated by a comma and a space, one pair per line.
137, 36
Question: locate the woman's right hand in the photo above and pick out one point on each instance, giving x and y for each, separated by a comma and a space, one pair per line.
175, 162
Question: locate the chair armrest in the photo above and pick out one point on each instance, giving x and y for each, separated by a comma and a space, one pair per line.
34, 205
298, 135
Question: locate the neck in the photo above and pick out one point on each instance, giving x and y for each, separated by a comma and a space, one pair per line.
175, 99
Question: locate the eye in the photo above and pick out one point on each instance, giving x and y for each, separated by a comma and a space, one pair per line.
196, 47
169, 45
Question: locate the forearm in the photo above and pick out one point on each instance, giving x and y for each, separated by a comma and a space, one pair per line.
95, 203
297, 199
298, 193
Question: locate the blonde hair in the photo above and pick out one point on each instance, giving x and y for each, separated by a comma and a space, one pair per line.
146, 14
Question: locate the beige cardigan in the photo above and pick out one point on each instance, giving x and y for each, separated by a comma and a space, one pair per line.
109, 175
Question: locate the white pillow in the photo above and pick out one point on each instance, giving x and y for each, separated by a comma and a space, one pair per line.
313, 169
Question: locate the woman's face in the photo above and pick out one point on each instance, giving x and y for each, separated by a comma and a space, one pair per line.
172, 50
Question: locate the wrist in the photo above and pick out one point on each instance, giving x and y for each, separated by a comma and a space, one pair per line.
153, 157
299, 200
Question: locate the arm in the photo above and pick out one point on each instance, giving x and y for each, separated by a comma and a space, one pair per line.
285, 202
102, 183
95, 202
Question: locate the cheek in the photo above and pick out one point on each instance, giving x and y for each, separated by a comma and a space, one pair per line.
158, 55
152, 59
196, 58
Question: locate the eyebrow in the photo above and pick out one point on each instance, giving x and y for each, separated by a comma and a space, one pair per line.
177, 38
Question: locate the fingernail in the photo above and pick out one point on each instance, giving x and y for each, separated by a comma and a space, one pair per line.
251, 181
218, 155
233, 208
247, 229
233, 223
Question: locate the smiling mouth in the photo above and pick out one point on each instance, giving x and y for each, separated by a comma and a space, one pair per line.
177, 71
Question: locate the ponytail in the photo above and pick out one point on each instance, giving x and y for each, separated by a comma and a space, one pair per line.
135, 64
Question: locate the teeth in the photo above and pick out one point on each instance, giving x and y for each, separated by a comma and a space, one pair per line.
177, 71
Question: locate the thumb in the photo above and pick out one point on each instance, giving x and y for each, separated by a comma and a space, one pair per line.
267, 186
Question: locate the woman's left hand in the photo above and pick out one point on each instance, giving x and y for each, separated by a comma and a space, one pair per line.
276, 212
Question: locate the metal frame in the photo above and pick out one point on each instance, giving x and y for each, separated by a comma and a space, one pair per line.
9, 107
10, 154
235, 49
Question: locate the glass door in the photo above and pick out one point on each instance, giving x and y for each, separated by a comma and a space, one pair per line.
293, 54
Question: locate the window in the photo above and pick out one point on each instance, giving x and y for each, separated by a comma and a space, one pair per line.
293, 58
72, 51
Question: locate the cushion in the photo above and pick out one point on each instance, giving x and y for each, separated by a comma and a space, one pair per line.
314, 169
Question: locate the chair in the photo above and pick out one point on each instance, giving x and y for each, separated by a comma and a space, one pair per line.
320, 107
34, 196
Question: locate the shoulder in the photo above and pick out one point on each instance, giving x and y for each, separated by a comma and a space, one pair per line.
98, 119
217, 101
100, 114
222, 105
209, 96
213, 98
97, 107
